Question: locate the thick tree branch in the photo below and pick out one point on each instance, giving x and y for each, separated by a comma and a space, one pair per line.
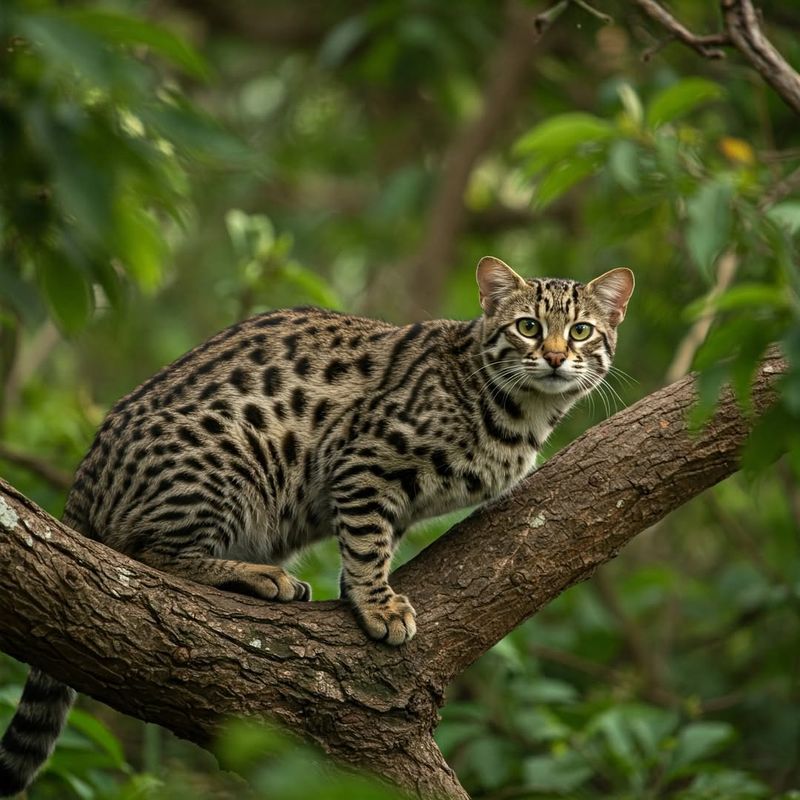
186, 656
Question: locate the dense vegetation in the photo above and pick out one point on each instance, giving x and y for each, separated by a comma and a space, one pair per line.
167, 168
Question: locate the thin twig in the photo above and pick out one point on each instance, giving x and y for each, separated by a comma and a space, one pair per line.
589, 9
727, 265
708, 45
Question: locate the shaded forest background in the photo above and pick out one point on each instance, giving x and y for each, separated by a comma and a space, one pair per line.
167, 168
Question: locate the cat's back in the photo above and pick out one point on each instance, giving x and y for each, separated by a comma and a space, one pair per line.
255, 399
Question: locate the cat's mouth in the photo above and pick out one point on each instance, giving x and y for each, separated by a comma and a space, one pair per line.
553, 382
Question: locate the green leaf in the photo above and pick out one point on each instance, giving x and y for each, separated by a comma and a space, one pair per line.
548, 690
197, 134
787, 214
623, 163
679, 99
770, 438
129, 30
563, 177
490, 757
69, 48
561, 135
67, 291
748, 296
99, 735
314, 286
709, 223
141, 246
696, 742
631, 103
561, 774
727, 784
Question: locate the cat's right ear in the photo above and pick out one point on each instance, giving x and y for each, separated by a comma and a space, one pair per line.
495, 280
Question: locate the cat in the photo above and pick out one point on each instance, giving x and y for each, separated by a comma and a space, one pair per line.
301, 424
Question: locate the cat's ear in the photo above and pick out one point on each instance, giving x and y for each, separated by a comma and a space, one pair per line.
495, 280
613, 289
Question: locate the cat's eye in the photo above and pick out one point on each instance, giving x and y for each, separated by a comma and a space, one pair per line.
580, 331
528, 327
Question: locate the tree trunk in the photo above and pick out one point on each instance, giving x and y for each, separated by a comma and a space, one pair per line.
187, 656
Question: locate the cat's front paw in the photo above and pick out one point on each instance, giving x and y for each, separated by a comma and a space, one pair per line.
392, 620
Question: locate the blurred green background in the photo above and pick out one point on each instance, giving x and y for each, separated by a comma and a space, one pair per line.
170, 166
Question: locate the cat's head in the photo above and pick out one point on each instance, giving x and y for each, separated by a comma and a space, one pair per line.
553, 335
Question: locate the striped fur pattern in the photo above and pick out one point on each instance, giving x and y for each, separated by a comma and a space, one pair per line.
301, 424
33, 731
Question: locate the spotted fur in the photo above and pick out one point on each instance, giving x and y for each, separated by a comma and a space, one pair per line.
301, 424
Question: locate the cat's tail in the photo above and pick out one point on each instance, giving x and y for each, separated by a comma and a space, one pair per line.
33, 731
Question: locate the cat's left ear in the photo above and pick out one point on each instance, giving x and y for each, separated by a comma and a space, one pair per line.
495, 280
613, 289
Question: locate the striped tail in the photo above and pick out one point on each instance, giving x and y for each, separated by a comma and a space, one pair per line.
33, 731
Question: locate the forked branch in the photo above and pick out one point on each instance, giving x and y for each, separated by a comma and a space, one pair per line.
742, 31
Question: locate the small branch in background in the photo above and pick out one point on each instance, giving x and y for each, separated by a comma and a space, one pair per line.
742, 32
32, 355
507, 72
650, 663
727, 265
708, 46
782, 189
606, 19
57, 478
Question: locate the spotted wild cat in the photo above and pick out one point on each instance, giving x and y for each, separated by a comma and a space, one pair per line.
301, 424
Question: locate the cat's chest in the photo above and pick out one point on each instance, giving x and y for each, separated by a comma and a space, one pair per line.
471, 478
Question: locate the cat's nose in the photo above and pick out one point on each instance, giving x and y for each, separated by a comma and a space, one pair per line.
555, 360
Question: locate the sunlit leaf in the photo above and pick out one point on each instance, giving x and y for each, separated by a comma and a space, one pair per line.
679, 99
559, 136
747, 296
563, 177
787, 214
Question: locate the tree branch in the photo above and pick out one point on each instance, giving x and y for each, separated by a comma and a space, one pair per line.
187, 656
743, 32
708, 46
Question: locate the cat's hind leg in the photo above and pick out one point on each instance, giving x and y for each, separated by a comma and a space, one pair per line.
266, 581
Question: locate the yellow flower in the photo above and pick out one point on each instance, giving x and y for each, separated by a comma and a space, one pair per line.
737, 150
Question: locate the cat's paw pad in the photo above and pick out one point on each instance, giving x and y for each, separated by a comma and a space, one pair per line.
274, 583
392, 621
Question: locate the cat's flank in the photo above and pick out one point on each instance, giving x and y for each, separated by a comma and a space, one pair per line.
300, 424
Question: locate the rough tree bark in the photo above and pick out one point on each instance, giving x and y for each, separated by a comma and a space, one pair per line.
186, 656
